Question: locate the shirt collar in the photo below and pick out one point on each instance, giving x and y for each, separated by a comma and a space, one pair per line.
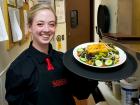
40, 56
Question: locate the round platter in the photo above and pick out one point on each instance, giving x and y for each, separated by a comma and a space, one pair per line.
116, 73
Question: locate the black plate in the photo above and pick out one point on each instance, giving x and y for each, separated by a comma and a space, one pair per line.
116, 73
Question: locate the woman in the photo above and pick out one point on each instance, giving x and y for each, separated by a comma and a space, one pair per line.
38, 76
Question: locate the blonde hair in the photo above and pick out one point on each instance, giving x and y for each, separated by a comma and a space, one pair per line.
33, 10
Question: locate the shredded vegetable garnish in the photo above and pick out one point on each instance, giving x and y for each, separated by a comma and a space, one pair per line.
100, 54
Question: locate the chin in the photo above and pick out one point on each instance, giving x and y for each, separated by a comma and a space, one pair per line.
45, 43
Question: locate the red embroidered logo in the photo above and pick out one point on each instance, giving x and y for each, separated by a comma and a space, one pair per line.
60, 82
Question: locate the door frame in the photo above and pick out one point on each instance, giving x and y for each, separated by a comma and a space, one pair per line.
91, 20
91, 24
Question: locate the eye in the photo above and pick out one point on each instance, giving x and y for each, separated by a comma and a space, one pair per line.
40, 24
52, 24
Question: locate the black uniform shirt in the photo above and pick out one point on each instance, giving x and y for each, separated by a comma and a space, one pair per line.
29, 82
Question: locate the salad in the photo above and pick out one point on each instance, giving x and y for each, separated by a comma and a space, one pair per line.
99, 54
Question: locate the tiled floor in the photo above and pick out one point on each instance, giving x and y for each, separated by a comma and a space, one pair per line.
102, 103
1, 97
2, 90
89, 101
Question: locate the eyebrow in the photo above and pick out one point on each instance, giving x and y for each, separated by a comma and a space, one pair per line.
43, 21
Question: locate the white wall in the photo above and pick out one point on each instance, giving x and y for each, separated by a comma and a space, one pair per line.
61, 30
113, 8
97, 3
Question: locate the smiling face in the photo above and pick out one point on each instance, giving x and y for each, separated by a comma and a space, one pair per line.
43, 27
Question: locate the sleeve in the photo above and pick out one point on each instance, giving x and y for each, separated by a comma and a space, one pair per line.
14, 85
81, 87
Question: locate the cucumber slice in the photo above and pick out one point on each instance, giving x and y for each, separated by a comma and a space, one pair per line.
83, 59
80, 50
98, 63
108, 62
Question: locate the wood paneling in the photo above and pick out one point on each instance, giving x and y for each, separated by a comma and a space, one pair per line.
124, 16
136, 17
80, 33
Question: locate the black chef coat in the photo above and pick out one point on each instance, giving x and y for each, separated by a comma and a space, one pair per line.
29, 82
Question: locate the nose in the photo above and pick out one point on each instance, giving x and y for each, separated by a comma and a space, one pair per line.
46, 28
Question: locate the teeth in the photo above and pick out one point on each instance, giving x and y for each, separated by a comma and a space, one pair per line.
45, 35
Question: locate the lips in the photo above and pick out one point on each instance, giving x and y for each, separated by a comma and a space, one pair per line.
45, 37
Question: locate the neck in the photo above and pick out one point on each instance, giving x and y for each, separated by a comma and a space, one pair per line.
42, 48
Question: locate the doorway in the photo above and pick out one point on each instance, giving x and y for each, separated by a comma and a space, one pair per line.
79, 22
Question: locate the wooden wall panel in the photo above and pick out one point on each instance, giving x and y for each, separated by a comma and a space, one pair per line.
124, 23
136, 18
